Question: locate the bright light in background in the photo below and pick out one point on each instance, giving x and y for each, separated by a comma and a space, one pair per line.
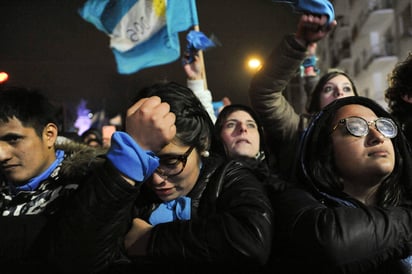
3, 77
253, 64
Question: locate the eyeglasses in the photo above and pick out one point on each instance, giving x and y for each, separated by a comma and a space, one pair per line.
359, 127
171, 164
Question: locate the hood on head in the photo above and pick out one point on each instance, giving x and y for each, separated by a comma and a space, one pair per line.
229, 109
314, 156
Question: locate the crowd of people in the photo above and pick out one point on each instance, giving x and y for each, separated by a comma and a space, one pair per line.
181, 189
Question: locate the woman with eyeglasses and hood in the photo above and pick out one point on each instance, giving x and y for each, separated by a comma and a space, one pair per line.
349, 209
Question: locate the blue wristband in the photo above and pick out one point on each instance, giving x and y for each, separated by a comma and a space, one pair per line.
130, 159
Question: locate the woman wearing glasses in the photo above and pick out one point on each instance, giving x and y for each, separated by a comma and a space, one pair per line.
192, 211
349, 211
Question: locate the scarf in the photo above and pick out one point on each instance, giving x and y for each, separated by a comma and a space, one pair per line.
34, 183
178, 209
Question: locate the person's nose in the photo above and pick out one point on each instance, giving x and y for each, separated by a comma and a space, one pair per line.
158, 179
375, 137
4, 152
339, 92
242, 127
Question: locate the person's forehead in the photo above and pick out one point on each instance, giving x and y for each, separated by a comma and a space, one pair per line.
15, 127
341, 79
173, 147
12, 123
355, 110
240, 115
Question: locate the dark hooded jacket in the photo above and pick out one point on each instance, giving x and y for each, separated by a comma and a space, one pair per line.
320, 229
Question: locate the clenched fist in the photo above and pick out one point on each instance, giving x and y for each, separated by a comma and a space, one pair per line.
150, 123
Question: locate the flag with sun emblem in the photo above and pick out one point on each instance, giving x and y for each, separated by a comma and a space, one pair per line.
143, 33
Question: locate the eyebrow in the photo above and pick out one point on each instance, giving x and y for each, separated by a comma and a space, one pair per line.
169, 155
10, 136
237, 120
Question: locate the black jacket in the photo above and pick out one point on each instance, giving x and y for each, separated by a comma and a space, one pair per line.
231, 225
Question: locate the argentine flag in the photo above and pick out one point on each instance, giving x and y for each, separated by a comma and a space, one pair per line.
143, 33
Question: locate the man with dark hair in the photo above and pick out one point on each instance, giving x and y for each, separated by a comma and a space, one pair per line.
39, 178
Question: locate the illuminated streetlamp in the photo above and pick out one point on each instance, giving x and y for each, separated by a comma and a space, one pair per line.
253, 64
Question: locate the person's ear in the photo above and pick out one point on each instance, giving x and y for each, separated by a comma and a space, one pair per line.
50, 134
407, 98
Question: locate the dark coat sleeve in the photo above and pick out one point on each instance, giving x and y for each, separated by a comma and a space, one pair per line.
89, 233
279, 118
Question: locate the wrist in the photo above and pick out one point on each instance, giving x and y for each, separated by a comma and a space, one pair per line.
303, 43
296, 43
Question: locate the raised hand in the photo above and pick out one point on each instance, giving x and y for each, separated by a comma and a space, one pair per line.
194, 69
150, 123
313, 27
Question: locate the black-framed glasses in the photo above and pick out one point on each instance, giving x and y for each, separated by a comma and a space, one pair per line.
357, 126
172, 164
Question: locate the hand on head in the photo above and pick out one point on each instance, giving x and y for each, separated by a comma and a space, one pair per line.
312, 28
150, 123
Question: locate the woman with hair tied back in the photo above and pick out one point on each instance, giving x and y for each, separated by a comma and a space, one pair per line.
350, 208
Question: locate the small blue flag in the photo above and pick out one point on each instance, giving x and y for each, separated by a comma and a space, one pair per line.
143, 33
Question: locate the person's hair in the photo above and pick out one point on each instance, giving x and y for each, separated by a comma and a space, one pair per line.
85, 137
313, 105
399, 84
193, 124
29, 106
228, 110
316, 154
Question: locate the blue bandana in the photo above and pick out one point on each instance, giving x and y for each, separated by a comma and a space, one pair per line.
178, 209
130, 159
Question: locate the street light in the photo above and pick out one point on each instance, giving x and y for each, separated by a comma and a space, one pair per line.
3, 77
253, 64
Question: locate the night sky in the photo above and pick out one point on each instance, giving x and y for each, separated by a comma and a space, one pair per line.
45, 44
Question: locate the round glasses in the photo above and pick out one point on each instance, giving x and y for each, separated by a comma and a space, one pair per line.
172, 164
359, 127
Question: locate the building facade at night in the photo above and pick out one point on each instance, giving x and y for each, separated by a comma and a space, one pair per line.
371, 37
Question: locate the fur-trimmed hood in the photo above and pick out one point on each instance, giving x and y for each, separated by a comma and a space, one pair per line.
77, 158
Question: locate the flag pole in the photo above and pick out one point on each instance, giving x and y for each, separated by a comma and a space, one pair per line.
202, 62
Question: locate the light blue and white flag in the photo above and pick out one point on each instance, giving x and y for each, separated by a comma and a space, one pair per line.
143, 33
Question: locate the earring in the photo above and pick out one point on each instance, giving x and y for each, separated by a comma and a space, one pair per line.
205, 153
